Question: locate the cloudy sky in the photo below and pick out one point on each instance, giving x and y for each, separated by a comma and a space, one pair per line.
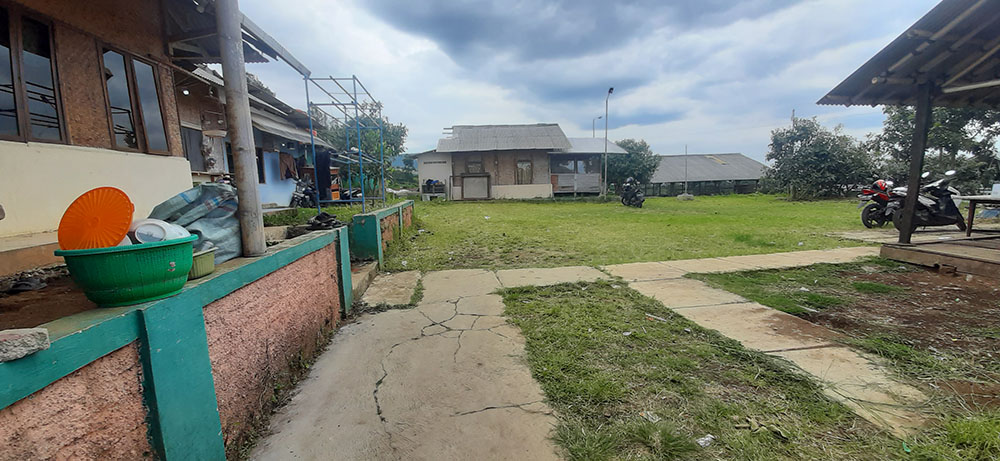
717, 75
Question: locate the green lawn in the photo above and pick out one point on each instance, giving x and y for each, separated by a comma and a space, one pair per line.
546, 233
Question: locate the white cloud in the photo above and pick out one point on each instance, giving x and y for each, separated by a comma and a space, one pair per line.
719, 87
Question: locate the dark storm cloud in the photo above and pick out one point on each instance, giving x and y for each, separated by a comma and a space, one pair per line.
534, 29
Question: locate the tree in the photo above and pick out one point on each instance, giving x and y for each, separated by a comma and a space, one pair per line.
640, 162
811, 161
962, 139
393, 139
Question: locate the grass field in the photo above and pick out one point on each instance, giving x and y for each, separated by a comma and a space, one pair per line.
510, 234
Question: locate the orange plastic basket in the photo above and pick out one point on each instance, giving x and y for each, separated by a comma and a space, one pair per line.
99, 218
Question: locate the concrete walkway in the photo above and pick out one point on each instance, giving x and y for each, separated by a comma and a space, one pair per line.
447, 380
854, 379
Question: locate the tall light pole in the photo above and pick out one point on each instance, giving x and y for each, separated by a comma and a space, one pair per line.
610, 90
593, 125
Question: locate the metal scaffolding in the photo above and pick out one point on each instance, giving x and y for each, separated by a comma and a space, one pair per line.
357, 112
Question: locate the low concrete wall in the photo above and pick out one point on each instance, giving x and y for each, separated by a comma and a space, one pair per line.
522, 191
257, 333
95, 412
186, 377
371, 232
38, 181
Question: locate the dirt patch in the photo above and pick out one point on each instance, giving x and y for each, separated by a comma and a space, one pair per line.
943, 315
935, 311
60, 298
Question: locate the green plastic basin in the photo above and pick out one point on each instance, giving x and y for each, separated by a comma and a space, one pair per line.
133, 274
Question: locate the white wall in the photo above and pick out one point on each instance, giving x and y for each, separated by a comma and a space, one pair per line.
434, 165
38, 181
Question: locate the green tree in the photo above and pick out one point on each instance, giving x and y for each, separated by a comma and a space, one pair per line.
962, 139
811, 161
640, 162
393, 139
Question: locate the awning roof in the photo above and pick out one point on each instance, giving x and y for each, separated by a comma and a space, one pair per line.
272, 124
192, 38
956, 47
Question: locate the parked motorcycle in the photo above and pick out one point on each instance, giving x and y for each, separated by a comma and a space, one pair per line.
632, 194
936, 205
304, 195
877, 213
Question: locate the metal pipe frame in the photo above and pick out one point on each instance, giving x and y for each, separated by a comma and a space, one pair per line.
365, 116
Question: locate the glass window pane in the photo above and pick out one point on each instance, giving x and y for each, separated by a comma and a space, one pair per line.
122, 122
8, 107
40, 87
149, 101
562, 166
192, 148
590, 165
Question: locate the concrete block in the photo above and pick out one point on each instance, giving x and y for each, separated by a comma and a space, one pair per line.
22, 342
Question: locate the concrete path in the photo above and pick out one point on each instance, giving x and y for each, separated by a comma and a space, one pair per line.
447, 380
854, 379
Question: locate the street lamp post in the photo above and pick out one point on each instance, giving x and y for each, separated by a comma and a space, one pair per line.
610, 90
593, 125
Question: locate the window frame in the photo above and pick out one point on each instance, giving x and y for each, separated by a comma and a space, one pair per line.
15, 15
139, 118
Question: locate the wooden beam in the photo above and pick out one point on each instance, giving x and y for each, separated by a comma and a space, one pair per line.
192, 35
229, 21
917, 148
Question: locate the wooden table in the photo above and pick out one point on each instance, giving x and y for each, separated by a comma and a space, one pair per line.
973, 201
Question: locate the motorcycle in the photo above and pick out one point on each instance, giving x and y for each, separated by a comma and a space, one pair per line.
304, 195
936, 205
632, 194
877, 213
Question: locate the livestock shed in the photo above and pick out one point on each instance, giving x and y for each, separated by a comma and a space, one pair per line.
706, 174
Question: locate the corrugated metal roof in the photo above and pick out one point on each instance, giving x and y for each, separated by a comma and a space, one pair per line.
954, 45
472, 138
707, 167
590, 146
278, 126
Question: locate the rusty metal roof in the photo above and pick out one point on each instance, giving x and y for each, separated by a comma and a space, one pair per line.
955, 46
472, 138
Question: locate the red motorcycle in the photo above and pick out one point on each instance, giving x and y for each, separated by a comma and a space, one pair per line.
877, 213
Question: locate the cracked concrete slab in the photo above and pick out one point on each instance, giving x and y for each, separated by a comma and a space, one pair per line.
444, 380
481, 305
864, 386
681, 293
454, 284
391, 289
548, 276
461, 322
759, 327
636, 272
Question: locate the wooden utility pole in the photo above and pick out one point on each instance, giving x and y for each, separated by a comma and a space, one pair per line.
228, 20
922, 124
